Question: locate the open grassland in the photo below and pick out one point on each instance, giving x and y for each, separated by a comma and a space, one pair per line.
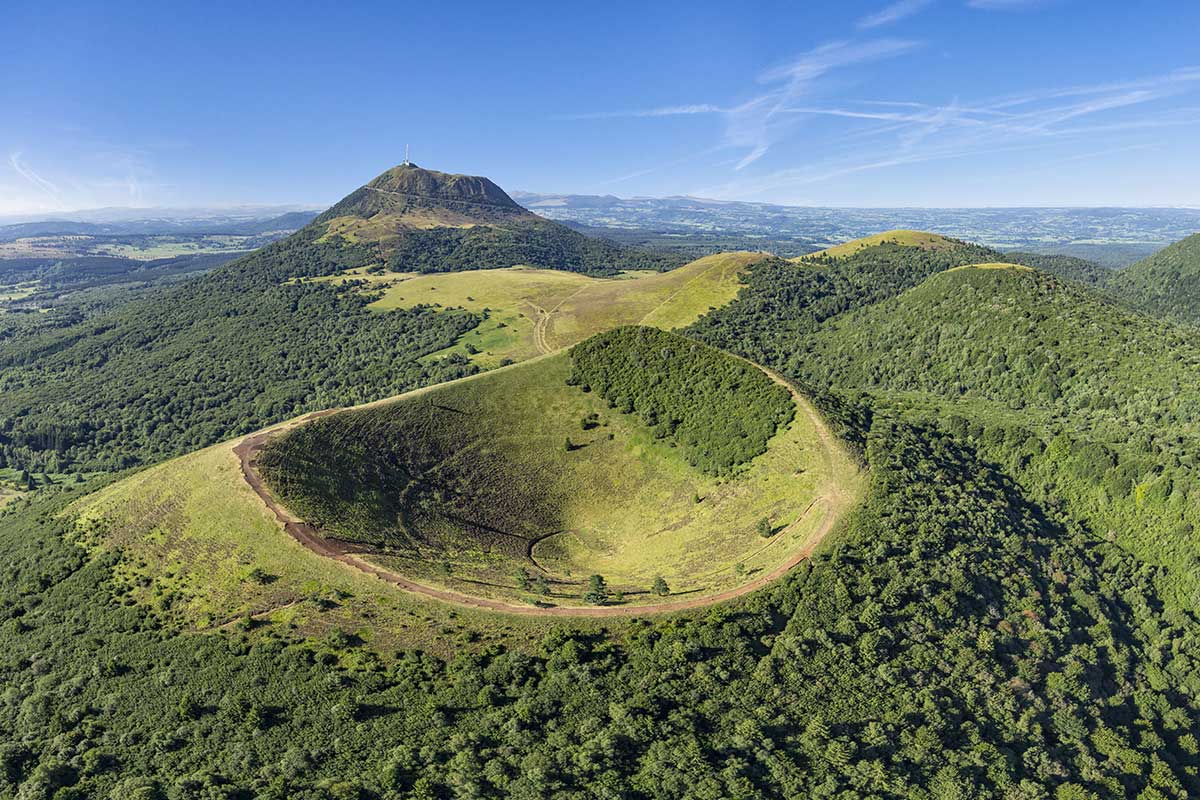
535, 311
665, 300
9, 494
156, 247
199, 546
463, 486
905, 238
18, 291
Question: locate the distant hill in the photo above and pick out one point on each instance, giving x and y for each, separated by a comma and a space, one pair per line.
1167, 283
1114, 237
785, 299
417, 220
247, 343
239, 225
921, 240
1004, 332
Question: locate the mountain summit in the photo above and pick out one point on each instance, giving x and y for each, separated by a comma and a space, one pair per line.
408, 191
419, 220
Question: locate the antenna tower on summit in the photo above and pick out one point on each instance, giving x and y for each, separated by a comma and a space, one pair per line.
406, 163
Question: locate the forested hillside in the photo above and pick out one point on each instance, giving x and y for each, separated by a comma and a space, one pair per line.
1079, 270
1008, 614
721, 411
221, 355
783, 300
960, 641
1086, 401
248, 344
1167, 283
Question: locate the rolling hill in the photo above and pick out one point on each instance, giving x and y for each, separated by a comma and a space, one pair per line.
534, 311
1082, 398
1166, 283
920, 240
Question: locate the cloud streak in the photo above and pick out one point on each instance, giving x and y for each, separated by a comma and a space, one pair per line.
754, 125
27, 172
1004, 5
884, 134
893, 13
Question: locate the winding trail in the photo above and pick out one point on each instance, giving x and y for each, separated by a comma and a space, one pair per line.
539, 328
247, 451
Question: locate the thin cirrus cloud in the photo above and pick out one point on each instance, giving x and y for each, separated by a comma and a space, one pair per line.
16, 161
893, 13
755, 125
891, 134
98, 175
1005, 5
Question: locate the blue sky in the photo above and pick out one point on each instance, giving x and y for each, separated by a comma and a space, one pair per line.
864, 103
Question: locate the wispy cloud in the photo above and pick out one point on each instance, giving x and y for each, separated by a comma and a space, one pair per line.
1005, 5
665, 111
96, 174
763, 121
756, 124
893, 13
883, 134
27, 172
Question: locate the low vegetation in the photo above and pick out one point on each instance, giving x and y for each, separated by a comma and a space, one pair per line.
533, 311
250, 344
1009, 611
919, 240
225, 354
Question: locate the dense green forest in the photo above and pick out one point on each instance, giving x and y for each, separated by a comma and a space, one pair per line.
960, 641
1166, 283
63, 277
783, 300
193, 364
1079, 270
1085, 400
720, 410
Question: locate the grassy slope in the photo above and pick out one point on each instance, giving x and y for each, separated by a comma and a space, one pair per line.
193, 533
906, 238
576, 306
624, 505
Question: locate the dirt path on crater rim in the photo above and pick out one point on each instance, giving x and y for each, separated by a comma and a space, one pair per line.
247, 450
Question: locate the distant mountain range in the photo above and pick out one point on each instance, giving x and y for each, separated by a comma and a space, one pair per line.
1114, 237
218, 223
